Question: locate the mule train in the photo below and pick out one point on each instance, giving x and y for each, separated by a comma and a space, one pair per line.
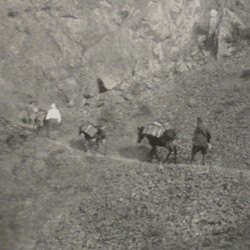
157, 134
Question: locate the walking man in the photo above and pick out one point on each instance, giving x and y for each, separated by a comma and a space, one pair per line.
53, 120
201, 140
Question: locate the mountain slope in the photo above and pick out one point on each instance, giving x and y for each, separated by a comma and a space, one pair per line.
63, 199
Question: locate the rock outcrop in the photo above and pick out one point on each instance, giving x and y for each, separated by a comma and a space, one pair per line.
60, 49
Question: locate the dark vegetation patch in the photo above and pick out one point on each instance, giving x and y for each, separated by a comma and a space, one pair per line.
12, 136
245, 74
12, 13
101, 86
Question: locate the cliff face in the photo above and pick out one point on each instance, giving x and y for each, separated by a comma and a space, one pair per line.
53, 50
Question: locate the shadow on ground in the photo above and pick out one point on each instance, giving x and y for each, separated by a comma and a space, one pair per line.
77, 144
134, 152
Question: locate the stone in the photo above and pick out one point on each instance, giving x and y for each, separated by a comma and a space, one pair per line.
128, 97
230, 25
181, 67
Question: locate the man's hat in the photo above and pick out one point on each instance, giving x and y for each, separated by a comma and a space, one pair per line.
53, 106
199, 119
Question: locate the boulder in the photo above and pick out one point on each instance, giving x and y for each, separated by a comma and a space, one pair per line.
228, 36
181, 66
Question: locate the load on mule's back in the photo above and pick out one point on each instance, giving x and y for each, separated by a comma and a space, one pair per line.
94, 135
156, 129
89, 129
33, 117
40, 120
158, 135
28, 113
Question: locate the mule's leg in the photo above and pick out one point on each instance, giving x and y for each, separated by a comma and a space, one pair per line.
175, 153
47, 129
43, 130
105, 146
88, 146
171, 147
85, 145
152, 154
169, 153
95, 146
38, 130
203, 159
154, 150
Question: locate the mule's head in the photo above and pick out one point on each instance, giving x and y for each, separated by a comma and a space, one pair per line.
140, 134
80, 131
40, 117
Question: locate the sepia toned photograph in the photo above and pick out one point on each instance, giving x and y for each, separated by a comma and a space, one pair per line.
124, 124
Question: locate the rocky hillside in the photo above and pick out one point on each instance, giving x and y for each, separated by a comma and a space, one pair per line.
66, 51
55, 197
61, 198
121, 64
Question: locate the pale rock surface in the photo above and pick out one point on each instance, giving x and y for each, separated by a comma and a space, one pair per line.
229, 27
59, 49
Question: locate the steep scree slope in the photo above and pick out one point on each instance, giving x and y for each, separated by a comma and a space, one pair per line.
63, 199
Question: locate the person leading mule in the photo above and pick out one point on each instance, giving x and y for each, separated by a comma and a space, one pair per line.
201, 140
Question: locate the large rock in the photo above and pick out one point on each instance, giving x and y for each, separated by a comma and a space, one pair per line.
112, 59
228, 36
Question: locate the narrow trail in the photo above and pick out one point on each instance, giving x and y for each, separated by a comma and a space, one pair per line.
99, 155
80, 154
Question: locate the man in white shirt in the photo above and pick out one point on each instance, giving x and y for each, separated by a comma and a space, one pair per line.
53, 119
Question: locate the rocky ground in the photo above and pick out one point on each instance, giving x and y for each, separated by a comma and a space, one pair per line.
54, 196
122, 65
61, 198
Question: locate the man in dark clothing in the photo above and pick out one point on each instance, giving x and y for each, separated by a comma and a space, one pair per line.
201, 140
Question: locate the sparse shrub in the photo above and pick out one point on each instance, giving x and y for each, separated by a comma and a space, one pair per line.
245, 74
12, 13
200, 30
245, 34
144, 109
238, 34
124, 14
